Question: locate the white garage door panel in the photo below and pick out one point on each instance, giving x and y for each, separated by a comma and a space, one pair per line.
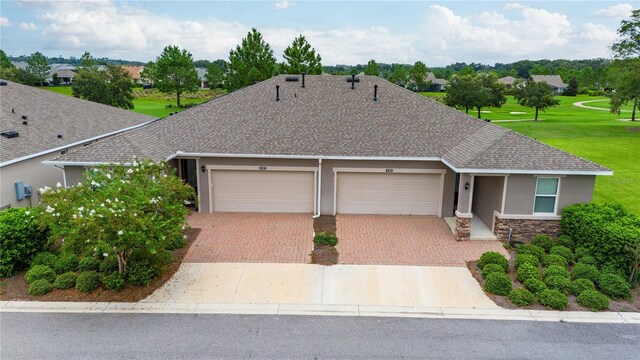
263, 191
384, 193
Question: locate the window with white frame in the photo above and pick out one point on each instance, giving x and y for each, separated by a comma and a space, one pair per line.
546, 195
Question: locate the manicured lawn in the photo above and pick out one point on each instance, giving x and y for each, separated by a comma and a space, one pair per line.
153, 102
592, 134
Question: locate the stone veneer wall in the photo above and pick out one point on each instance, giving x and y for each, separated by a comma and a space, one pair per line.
525, 229
463, 228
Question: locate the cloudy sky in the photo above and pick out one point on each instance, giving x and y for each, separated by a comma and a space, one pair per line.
436, 32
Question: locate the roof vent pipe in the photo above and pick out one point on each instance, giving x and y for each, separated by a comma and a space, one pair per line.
24, 117
375, 92
277, 92
353, 81
303, 74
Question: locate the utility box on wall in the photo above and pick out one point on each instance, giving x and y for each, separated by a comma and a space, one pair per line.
19, 190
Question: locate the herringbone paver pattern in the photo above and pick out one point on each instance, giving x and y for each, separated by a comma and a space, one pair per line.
404, 240
251, 238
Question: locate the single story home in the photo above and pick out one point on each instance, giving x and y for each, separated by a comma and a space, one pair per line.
507, 81
327, 145
202, 75
38, 125
435, 84
555, 82
134, 71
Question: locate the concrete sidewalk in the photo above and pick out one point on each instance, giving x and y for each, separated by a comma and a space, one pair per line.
306, 284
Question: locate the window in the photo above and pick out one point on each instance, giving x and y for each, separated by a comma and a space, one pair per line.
546, 195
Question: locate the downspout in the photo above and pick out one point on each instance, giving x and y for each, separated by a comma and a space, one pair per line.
64, 174
317, 214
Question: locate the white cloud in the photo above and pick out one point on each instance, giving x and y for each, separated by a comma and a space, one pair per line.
282, 4
615, 11
27, 26
4, 21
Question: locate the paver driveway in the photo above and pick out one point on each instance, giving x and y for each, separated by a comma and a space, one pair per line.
404, 240
251, 237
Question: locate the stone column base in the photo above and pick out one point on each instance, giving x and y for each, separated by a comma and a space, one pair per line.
463, 226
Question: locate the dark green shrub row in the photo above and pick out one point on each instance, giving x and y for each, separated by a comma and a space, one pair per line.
536, 286
66, 263
20, 239
39, 287
87, 281
555, 270
554, 259
45, 258
553, 299
325, 238
522, 297
498, 283
40, 272
580, 285
565, 252
531, 249
527, 271
593, 300
614, 286
559, 283
65, 281
526, 258
491, 268
543, 241
584, 271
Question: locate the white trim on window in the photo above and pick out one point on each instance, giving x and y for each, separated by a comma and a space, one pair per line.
556, 196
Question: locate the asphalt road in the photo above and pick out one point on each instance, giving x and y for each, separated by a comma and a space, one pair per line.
176, 336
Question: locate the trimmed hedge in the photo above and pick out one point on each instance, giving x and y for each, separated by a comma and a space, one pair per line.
556, 270
584, 271
65, 281
614, 286
534, 250
87, 281
39, 287
588, 260
45, 258
491, 268
492, 257
526, 258
109, 265
536, 286
581, 252
66, 263
580, 285
39, 272
325, 238
20, 239
141, 273
498, 283
89, 264
543, 241
553, 299
593, 300
114, 281
527, 271
522, 297
563, 251
560, 283
566, 241
554, 259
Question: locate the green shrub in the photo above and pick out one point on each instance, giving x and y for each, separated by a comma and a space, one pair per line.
492, 257
325, 238
593, 300
491, 268
39, 287
157, 259
553, 259
175, 242
584, 271
536, 286
521, 297
526, 258
65, 281
498, 283
580, 285
87, 281
66, 263
588, 260
114, 281
543, 241
556, 270
109, 265
141, 273
614, 286
531, 249
605, 230
563, 251
553, 299
40, 272
566, 241
527, 271
88, 263
581, 252
44, 258
560, 283
20, 239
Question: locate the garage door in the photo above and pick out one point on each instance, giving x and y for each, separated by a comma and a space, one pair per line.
263, 191
388, 193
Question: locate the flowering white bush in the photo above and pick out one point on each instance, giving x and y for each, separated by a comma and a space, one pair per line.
118, 209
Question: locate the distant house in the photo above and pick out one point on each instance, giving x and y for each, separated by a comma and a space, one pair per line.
435, 84
38, 125
65, 72
134, 71
202, 75
507, 81
554, 81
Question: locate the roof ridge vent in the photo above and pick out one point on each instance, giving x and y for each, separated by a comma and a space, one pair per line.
3, 83
291, 79
10, 134
24, 117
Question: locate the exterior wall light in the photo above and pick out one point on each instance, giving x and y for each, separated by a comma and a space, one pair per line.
466, 185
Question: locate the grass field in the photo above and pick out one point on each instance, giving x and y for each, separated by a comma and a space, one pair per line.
596, 135
155, 104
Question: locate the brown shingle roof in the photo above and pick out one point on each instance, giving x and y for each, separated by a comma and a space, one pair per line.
49, 115
329, 119
553, 80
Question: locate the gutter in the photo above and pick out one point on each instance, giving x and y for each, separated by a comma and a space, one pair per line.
64, 175
319, 185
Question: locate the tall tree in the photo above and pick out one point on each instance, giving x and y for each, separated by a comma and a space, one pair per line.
372, 68
111, 87
627, 86
301, 57
399, 75
629, 32
572, 88
250, 62
537, 95
38, 66
175, 72
213, 75
148, 74
475, 91
5, 63
461, 92
87, 61
417, 75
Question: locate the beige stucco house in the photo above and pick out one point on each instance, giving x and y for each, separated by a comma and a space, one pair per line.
326, 145
38, 125
554, 81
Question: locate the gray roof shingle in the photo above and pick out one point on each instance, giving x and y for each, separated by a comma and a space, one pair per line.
49, 115
329, 119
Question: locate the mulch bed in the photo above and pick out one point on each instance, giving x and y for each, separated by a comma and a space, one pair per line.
325, 223
504, 302
324, 254
15, 287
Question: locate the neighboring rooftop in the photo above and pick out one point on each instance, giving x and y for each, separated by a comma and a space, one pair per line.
327, 118
553, 80
134, 71
431, 77
507, 80
48, 115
